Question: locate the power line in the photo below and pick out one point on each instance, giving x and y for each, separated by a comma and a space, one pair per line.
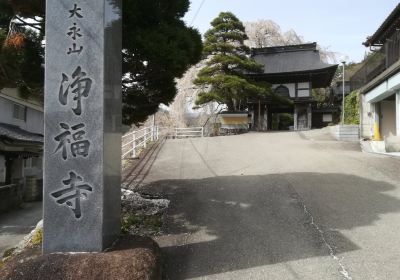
197, 12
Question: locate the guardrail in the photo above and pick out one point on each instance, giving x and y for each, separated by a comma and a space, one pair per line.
135, 140
189, 132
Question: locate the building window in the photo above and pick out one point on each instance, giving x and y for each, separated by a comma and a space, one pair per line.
303, 89
19, 112
282, 91
327, 118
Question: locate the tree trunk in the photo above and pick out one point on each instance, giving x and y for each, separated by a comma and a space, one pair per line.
230, 105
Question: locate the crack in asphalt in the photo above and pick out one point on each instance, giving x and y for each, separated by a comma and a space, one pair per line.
342, 268
343, 271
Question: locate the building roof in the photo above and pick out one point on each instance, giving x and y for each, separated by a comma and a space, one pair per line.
295, 63
387, 28
14, 133
287, 59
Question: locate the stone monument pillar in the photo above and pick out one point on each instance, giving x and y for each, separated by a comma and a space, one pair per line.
82, 169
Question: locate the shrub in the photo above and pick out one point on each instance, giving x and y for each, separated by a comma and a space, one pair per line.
352, 108
37, 238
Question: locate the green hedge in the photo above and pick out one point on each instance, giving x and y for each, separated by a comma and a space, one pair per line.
352, 108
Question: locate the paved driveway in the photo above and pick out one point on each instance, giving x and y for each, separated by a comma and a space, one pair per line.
16, 224
278, 206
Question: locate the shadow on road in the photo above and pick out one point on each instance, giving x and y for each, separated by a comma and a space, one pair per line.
243, 222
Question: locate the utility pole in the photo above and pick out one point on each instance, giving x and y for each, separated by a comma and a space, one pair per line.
259, 114
343, 103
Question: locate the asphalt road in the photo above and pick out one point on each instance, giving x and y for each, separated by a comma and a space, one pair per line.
16, 224
278, 206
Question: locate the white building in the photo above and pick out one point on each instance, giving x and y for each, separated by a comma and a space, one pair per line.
21, 138
379, 81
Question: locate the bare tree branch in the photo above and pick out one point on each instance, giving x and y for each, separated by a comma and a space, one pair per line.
36, 25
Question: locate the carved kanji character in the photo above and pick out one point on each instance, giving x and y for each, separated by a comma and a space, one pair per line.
72, 137
80, 87
75, 12
74, 32
75, 189
75, 49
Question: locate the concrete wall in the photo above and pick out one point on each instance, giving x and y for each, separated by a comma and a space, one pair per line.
35, 121
349, 133
367, 118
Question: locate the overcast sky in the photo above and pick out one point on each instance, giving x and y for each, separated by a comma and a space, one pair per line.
342, 26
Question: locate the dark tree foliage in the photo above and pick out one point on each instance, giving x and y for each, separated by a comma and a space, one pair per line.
6, 14
158, 48
224, 78
21, 50
29, 8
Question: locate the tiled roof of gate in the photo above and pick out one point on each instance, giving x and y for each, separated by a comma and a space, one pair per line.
290, 59
14, 132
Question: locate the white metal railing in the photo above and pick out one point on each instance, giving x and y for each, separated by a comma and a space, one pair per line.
189, 132
135, 140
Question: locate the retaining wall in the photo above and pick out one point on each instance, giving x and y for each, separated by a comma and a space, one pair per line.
350, 133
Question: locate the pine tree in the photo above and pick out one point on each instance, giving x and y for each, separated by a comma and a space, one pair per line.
224, 78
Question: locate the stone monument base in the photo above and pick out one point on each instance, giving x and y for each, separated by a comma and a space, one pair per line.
131, 257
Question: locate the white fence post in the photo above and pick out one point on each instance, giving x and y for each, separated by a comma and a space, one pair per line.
140, 138
134, 145
147, 134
